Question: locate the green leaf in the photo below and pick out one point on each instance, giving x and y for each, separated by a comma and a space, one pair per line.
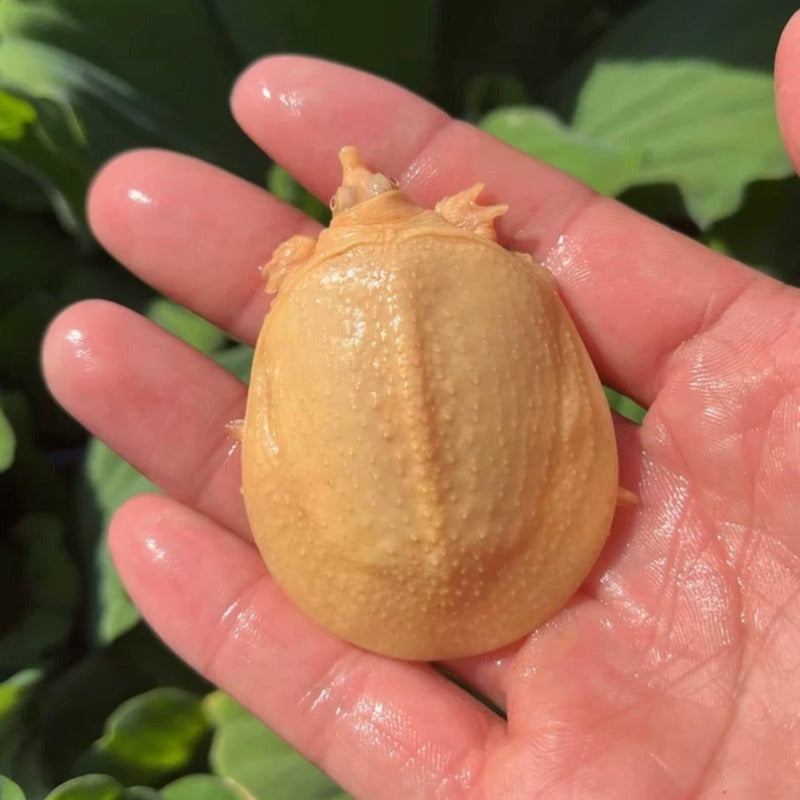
88, 787
605, 167
20, 752
150, 736
220, 708
112, 481
8, 442
116, 612
76, 702
186, 325
246, 751
157, 731
70, 61
204, 787
237, 360
52, 582
693, 105
710, 129
286, 188
26, 766
14, 693
624, 406
100, 787
9, 790
15, 116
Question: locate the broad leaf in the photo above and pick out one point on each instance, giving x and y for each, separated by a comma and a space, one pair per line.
204, 787
76, 703
100, 787
15, 117
116, 612
14, 693
606, 167
693, 106
20, 751
150, 736
112, 481
70, 61
16, 752
186, 325
9, 790
245, 750
708, 128
220, 708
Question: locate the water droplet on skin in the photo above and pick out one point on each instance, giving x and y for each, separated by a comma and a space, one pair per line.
140, 198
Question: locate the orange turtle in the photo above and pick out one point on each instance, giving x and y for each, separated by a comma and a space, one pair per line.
429, 463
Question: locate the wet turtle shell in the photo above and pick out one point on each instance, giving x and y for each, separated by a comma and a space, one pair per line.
429, 464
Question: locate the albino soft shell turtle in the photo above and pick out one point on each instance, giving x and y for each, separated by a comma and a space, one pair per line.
429, 464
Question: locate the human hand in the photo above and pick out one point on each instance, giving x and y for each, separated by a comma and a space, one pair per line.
673, 671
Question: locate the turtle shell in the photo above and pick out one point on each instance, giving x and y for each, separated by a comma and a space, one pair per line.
429, 463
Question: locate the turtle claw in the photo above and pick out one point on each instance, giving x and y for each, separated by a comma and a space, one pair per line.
464, 211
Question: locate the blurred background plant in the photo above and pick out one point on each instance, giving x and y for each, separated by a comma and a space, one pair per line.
666, 104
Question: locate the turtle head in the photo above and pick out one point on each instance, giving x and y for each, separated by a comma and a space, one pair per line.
359, 185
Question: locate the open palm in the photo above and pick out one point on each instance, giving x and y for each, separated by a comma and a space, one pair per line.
672, 673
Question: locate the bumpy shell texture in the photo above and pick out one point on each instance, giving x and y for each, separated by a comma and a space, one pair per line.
429, 465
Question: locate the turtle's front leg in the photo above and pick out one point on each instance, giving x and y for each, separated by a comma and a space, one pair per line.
287, 257
464, 211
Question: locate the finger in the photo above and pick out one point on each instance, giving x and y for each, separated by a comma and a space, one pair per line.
163, 407
787, 87
194, 232
381, 728
156, 401
636, 289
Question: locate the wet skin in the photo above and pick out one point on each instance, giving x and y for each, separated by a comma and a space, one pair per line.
673, 671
